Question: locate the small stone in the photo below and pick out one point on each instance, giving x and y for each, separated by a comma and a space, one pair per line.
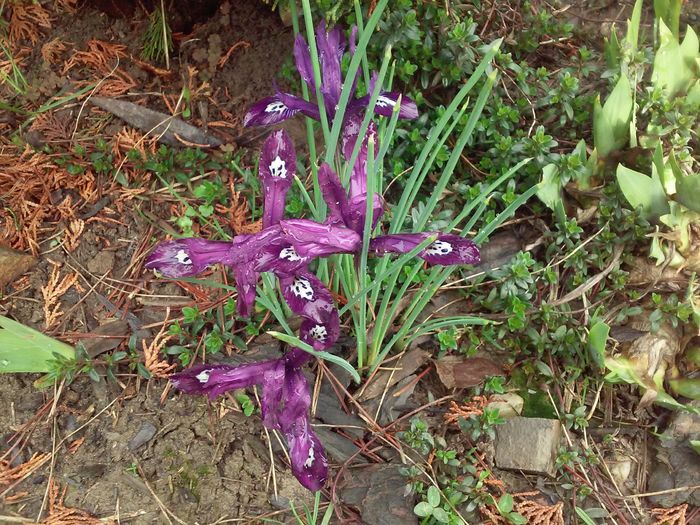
143, 436
102, 263
528, 444
378, 491
508, 405
328, 411
677, 464
338, 448
13, 264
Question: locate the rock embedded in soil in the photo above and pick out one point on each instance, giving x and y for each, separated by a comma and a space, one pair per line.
466, 372
102, 263
328, 411
378, 492
143, 436
13, 264
529, 444
677, 464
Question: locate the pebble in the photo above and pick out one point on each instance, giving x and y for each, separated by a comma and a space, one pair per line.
13, 264
143, 436
529, 444
379, 492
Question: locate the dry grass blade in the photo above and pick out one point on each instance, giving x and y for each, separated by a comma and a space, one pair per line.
70, 6
237, 213
673, 516
9, 474
52, 293
75, 445
27, 180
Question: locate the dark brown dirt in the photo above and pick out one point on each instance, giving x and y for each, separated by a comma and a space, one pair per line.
201, 466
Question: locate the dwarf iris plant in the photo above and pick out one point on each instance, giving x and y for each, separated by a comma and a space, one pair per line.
347, 234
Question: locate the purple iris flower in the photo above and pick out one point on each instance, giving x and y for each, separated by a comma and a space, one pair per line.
331, 48
285, 247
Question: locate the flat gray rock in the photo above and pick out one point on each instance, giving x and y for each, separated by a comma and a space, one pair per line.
339, 448
677, 465
378, 492
328, 411
143, 436
529, 444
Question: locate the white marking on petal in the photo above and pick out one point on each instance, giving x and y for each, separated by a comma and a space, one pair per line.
312, 457
183, 258
302, 288
383, 102
203, 376
289, 254
275, 107
439, 248
319, 333
278, 168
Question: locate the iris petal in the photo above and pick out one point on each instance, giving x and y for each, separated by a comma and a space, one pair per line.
300, 105
272, 395
276, 171
333, 193
214, 380
308, 459
331, 46
306, 295
446, 250
386, 102
351, 134
268, 111
312, 239
246, 281
302, 58
187, 257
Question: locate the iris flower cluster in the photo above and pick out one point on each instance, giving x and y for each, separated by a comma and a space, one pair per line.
286, 248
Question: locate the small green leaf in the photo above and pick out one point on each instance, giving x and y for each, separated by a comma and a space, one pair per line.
612, 50
423, 509
686, 386
505, 504
670, 11
433, 496
585, 518
549, 191
695, 444
517, 519
643, 192
440, 515
597, 338
544, 369
633, 27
